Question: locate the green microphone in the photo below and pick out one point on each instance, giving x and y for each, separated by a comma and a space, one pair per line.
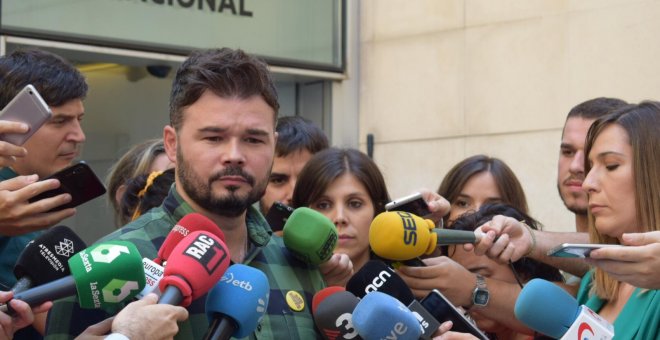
102, 276
310, 236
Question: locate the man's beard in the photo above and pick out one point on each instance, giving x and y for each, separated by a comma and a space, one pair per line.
582, 211
233, 204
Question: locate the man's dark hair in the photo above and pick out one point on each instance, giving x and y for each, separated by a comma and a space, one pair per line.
225, 72
525, 267
295, 133
595, 108
55, 78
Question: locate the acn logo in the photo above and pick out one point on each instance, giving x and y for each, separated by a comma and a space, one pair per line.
377, 282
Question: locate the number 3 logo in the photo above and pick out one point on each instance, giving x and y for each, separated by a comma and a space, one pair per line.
345, 320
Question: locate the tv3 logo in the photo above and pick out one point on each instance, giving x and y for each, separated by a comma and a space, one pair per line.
345, 330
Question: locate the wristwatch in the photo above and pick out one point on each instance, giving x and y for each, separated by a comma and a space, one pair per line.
480, 295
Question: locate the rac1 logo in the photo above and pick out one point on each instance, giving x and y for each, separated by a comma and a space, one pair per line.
584, 327
409, 228
207, 252
377, 282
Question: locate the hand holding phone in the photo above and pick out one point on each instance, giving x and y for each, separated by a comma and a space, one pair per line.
277, 216
577, 250
77, 180
26, 107
443, 310
414, 204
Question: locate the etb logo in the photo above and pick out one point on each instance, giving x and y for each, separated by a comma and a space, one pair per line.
207, 252
409, 228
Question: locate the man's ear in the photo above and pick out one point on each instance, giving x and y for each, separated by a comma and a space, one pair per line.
169, 141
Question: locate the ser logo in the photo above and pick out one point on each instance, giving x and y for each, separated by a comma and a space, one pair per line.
207, 252
409, 228
377, 282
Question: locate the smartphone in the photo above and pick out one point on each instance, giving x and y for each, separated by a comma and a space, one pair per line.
277, 216
442, 310
577, 250
413, 204
77, 180
27, 107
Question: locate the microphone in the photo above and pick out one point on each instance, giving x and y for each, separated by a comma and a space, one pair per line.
193, 267
380, 316
560, 315
103, 276
186, 225
153, 270
310, 236
375, 276
237, 303
332, 308
323, 294
400, 236
45, 258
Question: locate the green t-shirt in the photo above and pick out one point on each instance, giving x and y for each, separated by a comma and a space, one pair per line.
639, 318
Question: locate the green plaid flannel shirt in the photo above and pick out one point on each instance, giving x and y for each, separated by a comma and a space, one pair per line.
66, 319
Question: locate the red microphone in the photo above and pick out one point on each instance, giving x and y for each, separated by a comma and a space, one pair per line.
323, 294
186, 225
193, 268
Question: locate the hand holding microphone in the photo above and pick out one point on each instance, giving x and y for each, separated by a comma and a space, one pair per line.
24, 315
193, 267
548, 309
142, 319
102, 276
400, 236
312, 238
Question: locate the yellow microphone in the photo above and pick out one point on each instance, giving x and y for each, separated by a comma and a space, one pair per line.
400, 236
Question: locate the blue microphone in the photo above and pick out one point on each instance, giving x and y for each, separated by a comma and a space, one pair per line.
237, 303
380, 316
547, 308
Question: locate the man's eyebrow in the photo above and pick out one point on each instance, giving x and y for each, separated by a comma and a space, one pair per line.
258, 132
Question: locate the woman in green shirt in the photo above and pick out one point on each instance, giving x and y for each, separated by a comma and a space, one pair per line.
623, 182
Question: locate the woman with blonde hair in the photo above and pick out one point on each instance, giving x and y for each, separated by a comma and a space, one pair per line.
623, 185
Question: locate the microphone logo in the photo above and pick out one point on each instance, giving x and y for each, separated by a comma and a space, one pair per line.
207, 252
409, 228
117, 290
582, 328
345, 323
377, 282
65, 248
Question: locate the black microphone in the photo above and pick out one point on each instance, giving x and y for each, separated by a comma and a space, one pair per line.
332, 308
45, 259
376, 276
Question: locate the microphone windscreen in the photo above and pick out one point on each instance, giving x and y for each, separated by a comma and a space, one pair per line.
380, 316
400, 236
323, 294
45, 258
186, 225
547, 308
376, 276
333, 315
310, 236
195, 265
107, 273
241, 294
